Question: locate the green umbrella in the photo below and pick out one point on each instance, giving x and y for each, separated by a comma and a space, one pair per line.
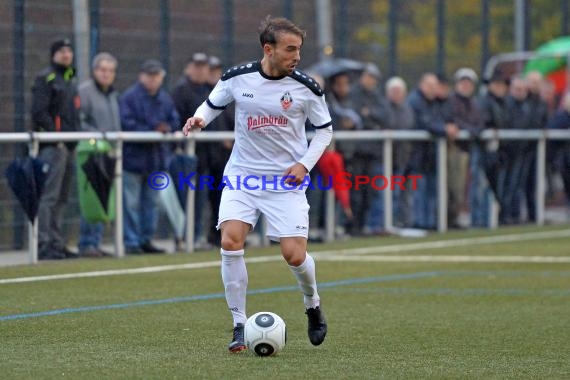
550, 57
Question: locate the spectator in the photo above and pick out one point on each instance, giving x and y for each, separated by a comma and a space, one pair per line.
218, 153
548, 95
516, 151
145, 106
55, 108
538, 120
366, 99
344, 118
561, 149
467, 116
494, 156
399, 115
442, 97
190, 91
428, 117
99, 112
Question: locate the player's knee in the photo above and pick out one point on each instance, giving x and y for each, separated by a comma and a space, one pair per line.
232, 242
294, 259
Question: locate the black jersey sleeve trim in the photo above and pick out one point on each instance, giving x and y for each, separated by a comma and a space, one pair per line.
241, 69
322, 126
309, 82
213, 106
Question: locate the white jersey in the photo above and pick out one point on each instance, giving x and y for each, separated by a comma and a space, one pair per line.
269, 118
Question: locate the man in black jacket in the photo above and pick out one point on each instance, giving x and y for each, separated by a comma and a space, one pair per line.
516, 169
191, 91
538, 120
55, 108
494, 155
218, 153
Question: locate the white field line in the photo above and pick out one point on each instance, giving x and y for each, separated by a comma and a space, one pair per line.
345, 255
446, 259
421, 246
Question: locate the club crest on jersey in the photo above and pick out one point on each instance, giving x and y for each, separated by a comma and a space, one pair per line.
286, 100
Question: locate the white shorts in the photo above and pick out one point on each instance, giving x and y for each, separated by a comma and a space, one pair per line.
286, 212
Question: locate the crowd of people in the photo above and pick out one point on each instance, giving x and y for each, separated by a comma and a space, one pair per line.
477, 170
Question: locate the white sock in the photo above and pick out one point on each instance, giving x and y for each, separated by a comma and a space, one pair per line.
234, 276
306, 277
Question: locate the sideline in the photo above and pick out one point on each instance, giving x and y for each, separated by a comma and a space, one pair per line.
344, 255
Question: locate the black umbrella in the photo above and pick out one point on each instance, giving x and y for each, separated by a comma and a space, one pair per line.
182, 165
26, 177
334, 66
492, 168
99, 170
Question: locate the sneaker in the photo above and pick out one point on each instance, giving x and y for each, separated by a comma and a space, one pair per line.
133, 250
317, 325
105, 253
69, 254
148, 247
238, 341
90, 252
50, 254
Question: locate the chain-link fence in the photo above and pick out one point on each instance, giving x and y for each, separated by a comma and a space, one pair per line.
403, 37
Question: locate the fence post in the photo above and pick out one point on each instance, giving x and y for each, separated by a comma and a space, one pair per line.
388, 192
190, 200
540, 178
119, 245
441, 184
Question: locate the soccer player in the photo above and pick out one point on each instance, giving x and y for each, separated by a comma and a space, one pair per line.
273, 100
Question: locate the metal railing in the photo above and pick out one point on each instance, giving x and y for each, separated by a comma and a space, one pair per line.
388, 137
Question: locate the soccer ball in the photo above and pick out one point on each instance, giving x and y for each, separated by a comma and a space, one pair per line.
265, 333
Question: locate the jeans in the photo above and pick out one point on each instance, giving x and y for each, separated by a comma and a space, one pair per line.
90, 234
402, 202
425, 201
140, 209
375, 214
55, 196
480, 194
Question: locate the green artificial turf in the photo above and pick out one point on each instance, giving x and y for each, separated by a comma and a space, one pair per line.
386, 320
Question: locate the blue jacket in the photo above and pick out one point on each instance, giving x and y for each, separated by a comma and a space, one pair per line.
141, 112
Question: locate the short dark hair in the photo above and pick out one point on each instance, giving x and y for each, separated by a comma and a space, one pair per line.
271, 26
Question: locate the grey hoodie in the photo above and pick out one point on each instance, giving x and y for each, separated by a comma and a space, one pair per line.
99, 111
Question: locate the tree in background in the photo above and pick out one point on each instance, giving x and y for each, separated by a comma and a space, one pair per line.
417, 40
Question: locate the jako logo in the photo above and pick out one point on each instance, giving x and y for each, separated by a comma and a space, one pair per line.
247, 95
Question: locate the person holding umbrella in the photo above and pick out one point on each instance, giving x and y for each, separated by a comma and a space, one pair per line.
55, 108
494, 158
99, 112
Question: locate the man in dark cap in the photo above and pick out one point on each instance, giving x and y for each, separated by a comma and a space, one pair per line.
55, 108
367, 100
494, 157
144, 107
190, 91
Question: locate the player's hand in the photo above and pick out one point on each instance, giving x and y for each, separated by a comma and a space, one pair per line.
296, 173
194, 123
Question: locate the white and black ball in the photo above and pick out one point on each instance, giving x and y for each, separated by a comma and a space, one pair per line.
265, 333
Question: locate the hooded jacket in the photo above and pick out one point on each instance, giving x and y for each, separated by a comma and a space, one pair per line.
55, 101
